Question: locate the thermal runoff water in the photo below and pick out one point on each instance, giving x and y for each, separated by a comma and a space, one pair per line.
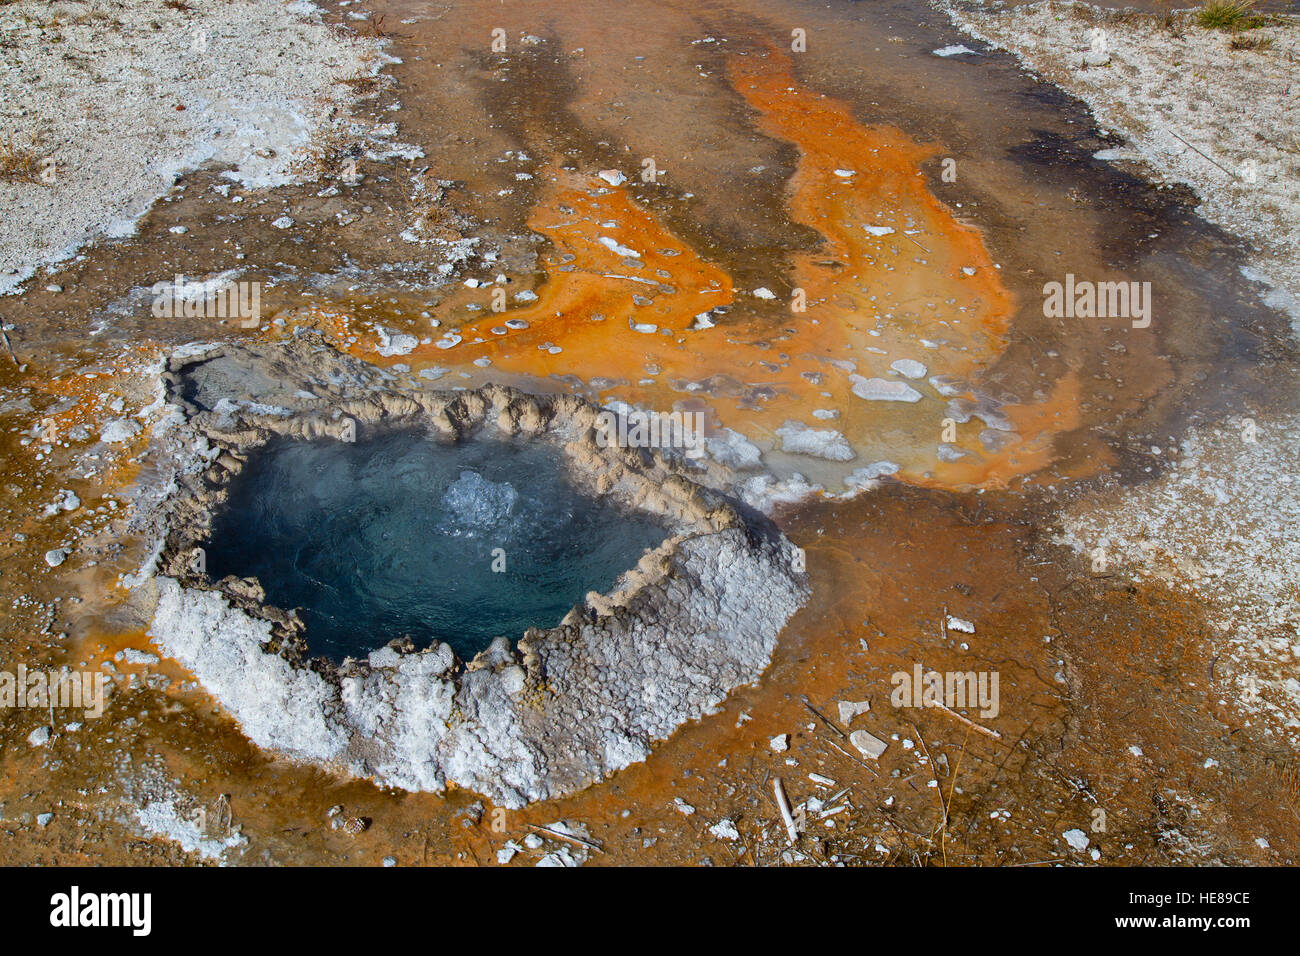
400, 534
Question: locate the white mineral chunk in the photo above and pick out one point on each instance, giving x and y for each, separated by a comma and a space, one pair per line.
909, 368
1077, 839
880, 390
868, 745
120, 430
850, 709
725, 830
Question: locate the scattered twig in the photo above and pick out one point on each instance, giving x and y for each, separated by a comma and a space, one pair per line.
938, 792
923, 249
565, 836
820, 716
952, 785
850, 756
966, 720
783, 805
9, 348
1194, 149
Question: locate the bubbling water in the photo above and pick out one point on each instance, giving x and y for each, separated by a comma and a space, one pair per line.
399, 534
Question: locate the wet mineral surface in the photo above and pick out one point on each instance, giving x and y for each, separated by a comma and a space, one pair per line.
812, 228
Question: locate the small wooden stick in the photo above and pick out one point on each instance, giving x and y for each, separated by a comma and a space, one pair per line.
966, 720
784, 806
832, 743
564, 836
9, 348
822, 717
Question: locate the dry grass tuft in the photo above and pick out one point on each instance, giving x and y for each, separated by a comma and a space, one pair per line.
19, 164
1250, 43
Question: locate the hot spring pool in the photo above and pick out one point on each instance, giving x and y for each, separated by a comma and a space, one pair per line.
399, 534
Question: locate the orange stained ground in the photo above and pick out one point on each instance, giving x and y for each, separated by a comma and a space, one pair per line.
896, 277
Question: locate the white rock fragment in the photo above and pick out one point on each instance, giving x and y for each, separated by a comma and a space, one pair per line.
869, 476
850, 709
798, 439
507, 852
880, 390
955, 49
725, 830
763, 292
867, 744
733, 449
39, 737
960, 625
684, 808
284, 222
1077, 839
612, 176
120, 430
878, 230
392, 345
909, 368
780, 743
65, 500
620, 250
56, 556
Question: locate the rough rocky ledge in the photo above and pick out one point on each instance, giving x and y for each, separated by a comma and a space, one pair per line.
552, 713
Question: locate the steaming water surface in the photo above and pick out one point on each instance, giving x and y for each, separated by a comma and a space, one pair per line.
398, 535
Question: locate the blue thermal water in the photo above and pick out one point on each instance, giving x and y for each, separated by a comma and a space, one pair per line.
399, 535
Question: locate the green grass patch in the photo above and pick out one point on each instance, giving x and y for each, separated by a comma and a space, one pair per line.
1230, 15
